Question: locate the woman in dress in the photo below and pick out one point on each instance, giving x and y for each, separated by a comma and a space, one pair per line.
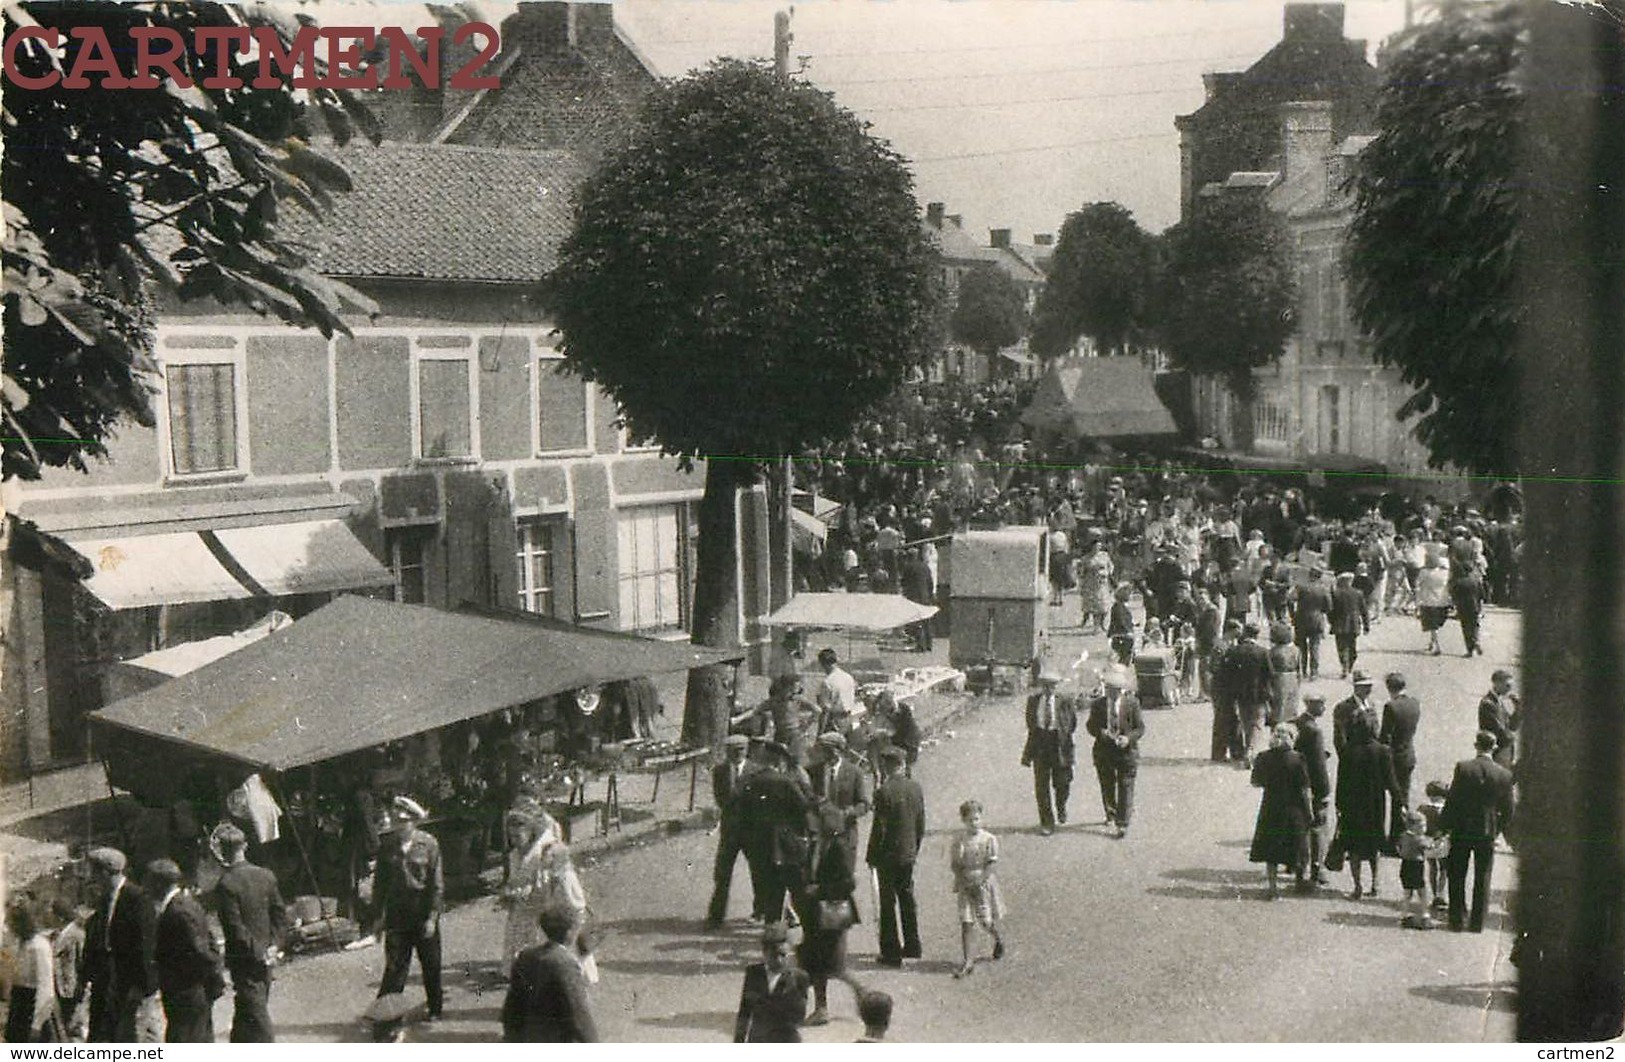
561, 887
1284, 678
1365, 787
831, 881
531, 831
1433, 599
1281, 836
1095, 574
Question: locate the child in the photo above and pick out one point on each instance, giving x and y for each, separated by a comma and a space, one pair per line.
1414, 847
972, 857
1431, 809
67, 953
874, 1010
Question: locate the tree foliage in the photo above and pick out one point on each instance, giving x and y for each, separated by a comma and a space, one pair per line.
750, 273
113, 194
991, 312
1431, 249
1228, 290
1100, 283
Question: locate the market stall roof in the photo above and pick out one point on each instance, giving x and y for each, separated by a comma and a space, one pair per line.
864, 612
1100, 398
359, 672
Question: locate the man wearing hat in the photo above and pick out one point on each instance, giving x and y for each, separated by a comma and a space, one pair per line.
1052, 719
839, 783
120, 964
773, 1001
253, 919
1348, 619
1117, 726
1357, 704
727, 783
409, 896
188, 967
1477, 810
1310, 604
1311, 745
774, 802
1251, 683
894, 846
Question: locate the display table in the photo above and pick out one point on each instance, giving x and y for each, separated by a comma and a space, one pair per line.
658, 757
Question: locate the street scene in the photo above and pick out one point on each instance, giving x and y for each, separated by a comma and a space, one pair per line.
654, 522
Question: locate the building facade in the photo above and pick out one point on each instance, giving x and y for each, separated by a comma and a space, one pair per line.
960, 255
440, 454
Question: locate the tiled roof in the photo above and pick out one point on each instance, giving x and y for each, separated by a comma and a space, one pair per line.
957, 245
443, 212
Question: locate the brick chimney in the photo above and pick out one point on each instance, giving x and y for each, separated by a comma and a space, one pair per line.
998, 238
1318, 22
1306, 143
933, 214
1216, 82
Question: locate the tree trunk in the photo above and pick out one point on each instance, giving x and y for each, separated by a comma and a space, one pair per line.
1241, 411
716, 600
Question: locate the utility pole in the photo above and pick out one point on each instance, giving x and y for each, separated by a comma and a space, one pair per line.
782, 581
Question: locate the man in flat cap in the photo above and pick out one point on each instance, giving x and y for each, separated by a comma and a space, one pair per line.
727, 783
120, 961
1052, 719
1117, 726
774, 803
1311, 745
1348, 620
410, 895
254, 920
842, 784
773, 1000
894, 845
188, 968
1310, 604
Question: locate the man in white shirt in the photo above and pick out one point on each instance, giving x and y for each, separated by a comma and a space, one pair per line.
838, 695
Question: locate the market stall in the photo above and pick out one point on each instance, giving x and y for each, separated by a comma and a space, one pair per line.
364, 699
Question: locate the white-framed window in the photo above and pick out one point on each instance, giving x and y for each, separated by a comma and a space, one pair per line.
445, 398
205, 405
561, 405
1271, 419
408, 549
537, 557
653, 567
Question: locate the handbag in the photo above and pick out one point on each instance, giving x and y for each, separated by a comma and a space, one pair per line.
835, 916
1335, 853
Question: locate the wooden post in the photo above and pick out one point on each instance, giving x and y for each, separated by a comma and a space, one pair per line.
1570, 827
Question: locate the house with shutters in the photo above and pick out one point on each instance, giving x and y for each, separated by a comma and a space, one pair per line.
440, 454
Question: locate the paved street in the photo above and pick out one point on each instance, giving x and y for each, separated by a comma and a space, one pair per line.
1163, 936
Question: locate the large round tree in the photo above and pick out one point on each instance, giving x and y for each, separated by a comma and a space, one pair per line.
991, 311
1105, 268
1431, 249
744, 279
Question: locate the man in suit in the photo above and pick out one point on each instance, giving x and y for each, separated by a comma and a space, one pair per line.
773, 1001
120, 961
838, 782
547, 996
1251, 675
1348, 620
894, 845
1311, 745
410, 895
253, 919
1052, 719
188, 967
1116, 724
1400, 717
1357, 704
1311, 603
1499, 713
774, 802
727, 782
1478, 809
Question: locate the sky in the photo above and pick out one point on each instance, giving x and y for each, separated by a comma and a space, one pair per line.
1013, 113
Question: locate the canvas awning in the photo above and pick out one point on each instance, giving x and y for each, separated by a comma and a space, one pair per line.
810, 532
865, 612
273, 560
1099, 398
358, 673
142, 570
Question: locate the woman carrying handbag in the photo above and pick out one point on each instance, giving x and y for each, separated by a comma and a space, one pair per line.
827, 910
